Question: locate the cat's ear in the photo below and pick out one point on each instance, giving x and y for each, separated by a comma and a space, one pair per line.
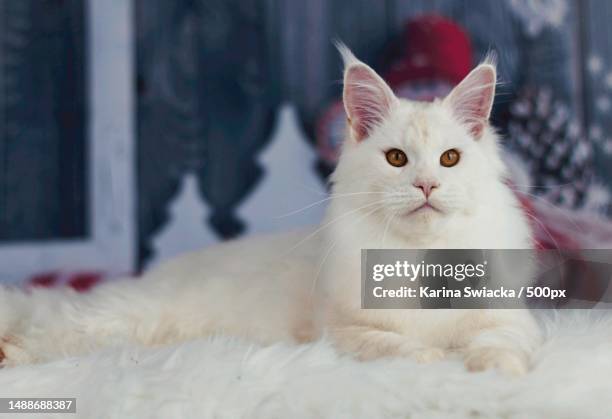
472, 99
367, 98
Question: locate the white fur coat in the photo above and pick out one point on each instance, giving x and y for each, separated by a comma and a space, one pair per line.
227, 378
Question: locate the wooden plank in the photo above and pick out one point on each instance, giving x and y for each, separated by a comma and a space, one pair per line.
597, 73
109, 246
311, 62
43, 131
306, 34
208, 92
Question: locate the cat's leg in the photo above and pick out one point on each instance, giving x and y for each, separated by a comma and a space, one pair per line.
500, 339
14, 315
368, 342
27, 320
46, 324
158, 309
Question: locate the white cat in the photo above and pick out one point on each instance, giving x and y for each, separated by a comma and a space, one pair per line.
411, 175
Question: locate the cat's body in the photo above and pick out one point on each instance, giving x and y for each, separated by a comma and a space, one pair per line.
297, 286
243, 288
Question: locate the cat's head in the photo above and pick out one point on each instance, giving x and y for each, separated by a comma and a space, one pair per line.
419, 162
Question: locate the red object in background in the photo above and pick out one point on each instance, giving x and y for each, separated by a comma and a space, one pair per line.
433, 48
47, 279
79, 281
84, 280
545, 236
566, 230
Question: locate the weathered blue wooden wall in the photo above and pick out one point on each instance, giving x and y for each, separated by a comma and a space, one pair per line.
207, 100
212, 73
42, 120
594, 63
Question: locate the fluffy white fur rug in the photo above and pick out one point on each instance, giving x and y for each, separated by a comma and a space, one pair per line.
223, 377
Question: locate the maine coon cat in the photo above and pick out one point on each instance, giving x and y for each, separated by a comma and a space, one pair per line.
411, 175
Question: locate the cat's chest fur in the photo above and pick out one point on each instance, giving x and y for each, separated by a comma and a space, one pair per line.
501, 225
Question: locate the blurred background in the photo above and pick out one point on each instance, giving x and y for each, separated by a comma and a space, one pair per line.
131, 131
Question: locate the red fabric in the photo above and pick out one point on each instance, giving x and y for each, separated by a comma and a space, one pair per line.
83, 281
79, 281
434, 48
47, 279
563, 230
545, 234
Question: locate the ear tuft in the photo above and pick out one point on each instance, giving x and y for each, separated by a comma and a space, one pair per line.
367, 98
471, 100
348, 58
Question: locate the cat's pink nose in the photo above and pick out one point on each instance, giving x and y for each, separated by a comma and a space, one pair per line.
426, 186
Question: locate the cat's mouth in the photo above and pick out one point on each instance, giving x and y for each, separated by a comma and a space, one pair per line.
425, 207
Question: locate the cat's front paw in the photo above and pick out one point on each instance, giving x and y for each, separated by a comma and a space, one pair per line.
422, 355
12, 352
508, 361
427, 355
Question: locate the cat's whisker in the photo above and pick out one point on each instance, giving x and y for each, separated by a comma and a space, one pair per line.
329, 223
313, 287
331, 247
541, 224
311, 189
551, 205
299, 210
330, 197
515, 186
361, 193
384, 236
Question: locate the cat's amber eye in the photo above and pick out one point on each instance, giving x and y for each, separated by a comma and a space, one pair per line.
396, 157
450, 158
